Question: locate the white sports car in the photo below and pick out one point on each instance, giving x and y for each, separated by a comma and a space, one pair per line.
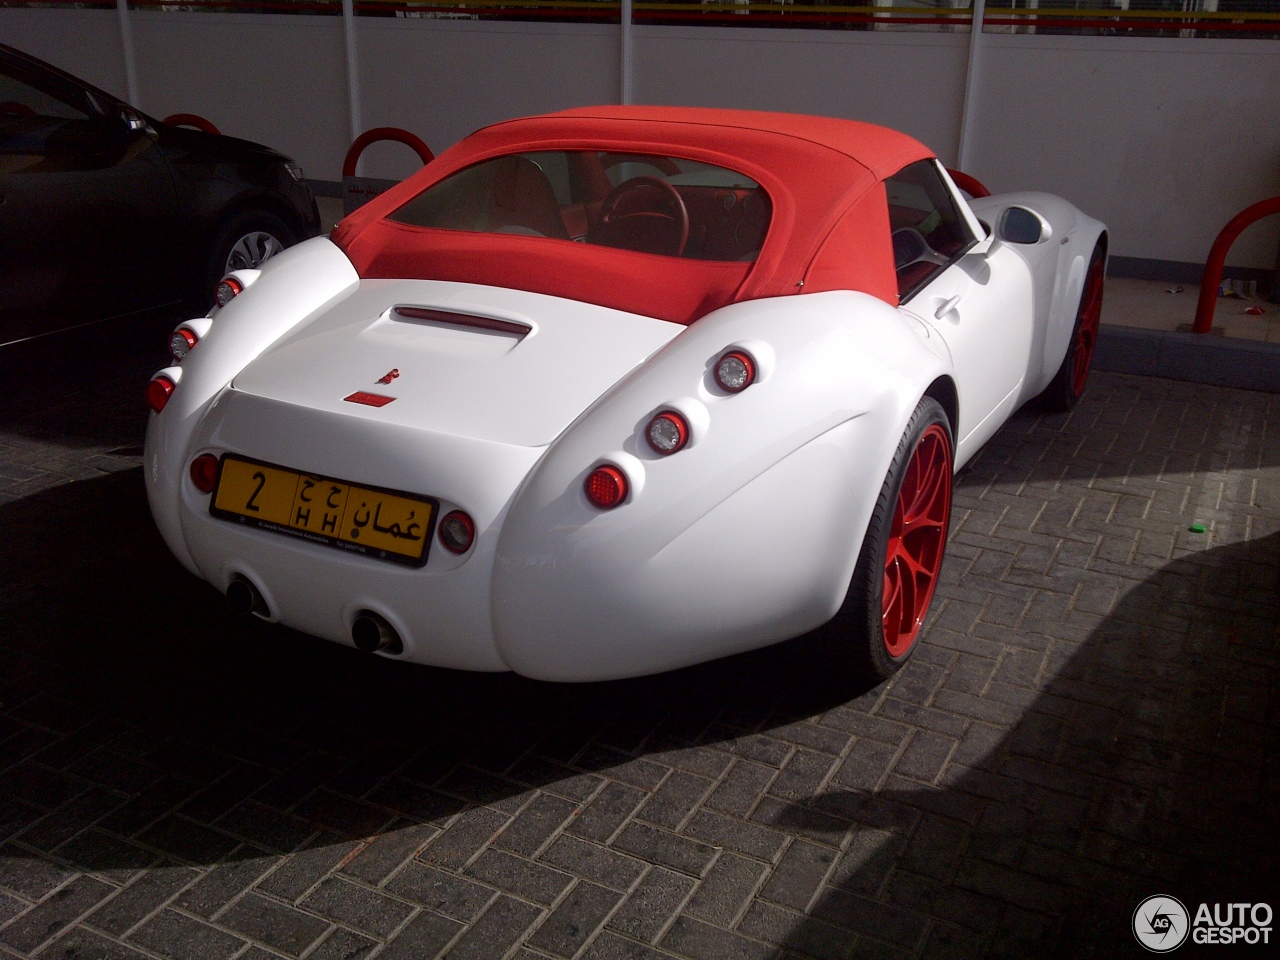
616, 390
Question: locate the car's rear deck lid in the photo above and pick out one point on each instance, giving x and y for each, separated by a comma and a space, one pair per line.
503, 365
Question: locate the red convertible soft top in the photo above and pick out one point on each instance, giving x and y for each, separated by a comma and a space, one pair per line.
824, 177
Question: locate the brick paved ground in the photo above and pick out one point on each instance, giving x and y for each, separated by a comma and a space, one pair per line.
1092, 720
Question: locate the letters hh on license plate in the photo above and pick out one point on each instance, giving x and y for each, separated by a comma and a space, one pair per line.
375, 523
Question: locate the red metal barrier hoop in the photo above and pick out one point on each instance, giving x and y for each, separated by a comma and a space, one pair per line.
1218, 259
384, 133
970, 185
190, 120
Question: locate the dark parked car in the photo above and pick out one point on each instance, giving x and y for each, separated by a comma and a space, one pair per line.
105, 212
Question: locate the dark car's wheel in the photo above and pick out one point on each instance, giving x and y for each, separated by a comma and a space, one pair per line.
901, 558
245, 243
1068, 384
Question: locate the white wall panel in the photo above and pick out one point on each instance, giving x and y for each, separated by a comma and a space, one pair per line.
279, 80
1165, 139
83, 42
913, 82
442, 79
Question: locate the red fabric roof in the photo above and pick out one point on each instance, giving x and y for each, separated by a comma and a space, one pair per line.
816, 170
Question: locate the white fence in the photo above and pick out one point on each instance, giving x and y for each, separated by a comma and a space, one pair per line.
1165, 139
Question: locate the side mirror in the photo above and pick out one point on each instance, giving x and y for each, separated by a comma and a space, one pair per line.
133, 121
984, 245
1021, 225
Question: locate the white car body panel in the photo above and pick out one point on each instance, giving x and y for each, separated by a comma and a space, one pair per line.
1057, 264
303, 278
583, 594
747, 536
440, 610
981, 309
457, 380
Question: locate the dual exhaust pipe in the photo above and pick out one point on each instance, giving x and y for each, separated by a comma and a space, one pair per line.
370, 632
373, 634
244, 598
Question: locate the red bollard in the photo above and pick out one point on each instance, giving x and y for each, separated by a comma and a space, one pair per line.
357, 191
1218, 258
190, 120
970, 185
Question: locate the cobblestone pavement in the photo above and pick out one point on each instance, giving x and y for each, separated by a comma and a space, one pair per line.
1092, 720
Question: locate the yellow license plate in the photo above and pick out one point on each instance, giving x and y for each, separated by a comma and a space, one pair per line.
364, 520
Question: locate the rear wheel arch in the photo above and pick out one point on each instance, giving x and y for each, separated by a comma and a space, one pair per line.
943, 389
284, 211
890, 593
247, 202
217, 204
1068, 383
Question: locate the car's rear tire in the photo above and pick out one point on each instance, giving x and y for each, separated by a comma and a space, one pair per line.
901, 558
1067, 386
246, 241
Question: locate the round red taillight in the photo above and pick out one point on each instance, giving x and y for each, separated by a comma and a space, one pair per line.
181, 342
735, 371
159, 390
204, 472
228, 289
606, 486
457, 531
667, 432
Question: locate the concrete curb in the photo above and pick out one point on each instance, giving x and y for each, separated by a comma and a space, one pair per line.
1198, 358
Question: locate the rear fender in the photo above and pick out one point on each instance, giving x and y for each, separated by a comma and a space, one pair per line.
1058, 264
747, 535
292, 287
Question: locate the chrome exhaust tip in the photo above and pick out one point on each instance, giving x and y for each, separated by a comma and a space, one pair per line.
244, 599
373, 634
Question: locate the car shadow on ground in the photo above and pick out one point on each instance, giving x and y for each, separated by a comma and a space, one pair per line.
84, 388
152, 687
143, 728
1148, 763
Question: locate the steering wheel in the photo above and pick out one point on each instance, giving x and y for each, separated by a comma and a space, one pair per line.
645, 214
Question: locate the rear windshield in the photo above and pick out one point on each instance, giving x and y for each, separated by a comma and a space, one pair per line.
650, 204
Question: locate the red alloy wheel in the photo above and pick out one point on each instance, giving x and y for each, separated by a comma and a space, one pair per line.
917, 540
1087, 336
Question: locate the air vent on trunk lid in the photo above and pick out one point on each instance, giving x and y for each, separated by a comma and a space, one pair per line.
429, 315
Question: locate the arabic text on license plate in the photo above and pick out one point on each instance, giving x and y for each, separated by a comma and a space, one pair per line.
364, 520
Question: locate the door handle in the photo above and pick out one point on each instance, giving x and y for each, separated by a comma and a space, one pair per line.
947, 307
